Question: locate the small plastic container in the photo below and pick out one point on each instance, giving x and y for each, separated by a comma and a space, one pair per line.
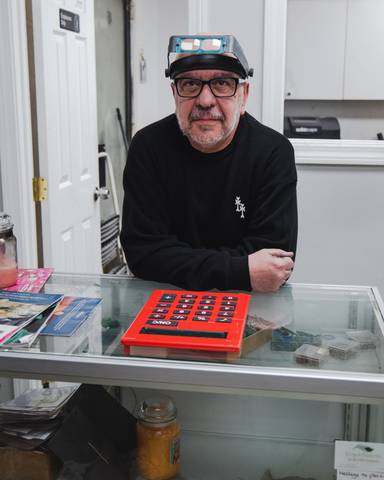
311, 356
289, 339
365, 338
158, 438
8, 252
343, 349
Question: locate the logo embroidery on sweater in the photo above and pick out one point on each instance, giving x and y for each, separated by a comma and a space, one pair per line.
240, 207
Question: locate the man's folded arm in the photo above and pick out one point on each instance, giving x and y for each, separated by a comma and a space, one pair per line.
154, 254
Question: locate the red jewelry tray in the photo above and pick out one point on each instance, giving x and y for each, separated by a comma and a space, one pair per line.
191, 320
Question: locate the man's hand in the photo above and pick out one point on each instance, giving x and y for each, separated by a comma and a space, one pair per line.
269, 269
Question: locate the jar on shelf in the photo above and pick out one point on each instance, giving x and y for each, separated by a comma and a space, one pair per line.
158, 438
8, 252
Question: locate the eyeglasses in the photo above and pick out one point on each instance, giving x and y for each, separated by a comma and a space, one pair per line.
220, 87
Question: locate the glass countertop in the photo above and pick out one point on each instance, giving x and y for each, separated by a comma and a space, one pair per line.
319, 315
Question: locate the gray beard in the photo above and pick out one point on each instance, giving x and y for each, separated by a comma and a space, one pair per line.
203, 138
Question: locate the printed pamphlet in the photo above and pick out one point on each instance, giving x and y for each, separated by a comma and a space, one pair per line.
70, 314
18, 309
28, 334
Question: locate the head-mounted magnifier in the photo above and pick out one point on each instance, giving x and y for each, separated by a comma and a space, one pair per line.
198, 52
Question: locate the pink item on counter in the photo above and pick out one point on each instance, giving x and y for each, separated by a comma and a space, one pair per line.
31, 280
8, 273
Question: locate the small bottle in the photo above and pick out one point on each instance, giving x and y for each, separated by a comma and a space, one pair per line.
8, 252
158, 438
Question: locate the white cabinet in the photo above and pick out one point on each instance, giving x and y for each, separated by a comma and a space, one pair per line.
334, 49
364, 66
315, 49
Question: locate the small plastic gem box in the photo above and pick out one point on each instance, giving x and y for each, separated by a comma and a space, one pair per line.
311, 355
343, 349
367, 339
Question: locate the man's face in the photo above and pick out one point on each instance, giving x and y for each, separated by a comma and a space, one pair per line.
210, 122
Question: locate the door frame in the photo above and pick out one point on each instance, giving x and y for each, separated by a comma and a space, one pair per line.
16, 154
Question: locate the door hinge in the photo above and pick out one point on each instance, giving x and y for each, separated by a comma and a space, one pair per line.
40, 189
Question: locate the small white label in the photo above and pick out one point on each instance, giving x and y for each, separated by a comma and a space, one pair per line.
320, 351
359, 457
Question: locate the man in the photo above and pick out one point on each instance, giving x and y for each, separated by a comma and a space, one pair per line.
210, 193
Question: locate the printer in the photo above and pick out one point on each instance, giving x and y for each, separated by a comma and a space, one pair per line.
311, 127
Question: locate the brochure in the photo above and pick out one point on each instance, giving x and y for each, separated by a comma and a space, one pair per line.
31, 280
28, 334
70, 314
18, 309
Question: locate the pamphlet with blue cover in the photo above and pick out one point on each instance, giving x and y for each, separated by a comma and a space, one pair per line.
70, 314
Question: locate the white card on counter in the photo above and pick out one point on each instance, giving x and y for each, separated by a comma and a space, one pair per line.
359, 457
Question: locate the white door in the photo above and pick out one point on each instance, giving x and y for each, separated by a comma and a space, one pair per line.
64, 47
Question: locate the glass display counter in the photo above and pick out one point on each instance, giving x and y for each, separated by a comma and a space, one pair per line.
269, 414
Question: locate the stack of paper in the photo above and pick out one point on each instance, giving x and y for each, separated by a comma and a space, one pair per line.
30, 419
19, 309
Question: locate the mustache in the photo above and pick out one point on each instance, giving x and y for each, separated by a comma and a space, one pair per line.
199, 113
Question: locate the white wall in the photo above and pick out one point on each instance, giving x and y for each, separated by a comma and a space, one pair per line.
341, 225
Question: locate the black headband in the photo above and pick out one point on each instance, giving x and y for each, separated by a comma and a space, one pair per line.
205, 61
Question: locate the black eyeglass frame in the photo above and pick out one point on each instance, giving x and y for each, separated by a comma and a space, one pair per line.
208, 82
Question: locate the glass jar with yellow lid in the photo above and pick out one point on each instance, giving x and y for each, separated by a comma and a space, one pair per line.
158, 438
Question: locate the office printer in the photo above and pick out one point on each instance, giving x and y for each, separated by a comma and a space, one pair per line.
311, 127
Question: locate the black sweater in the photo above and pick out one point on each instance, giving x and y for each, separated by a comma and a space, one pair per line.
191, 219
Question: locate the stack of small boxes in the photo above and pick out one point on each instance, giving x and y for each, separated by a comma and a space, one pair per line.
308, 348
